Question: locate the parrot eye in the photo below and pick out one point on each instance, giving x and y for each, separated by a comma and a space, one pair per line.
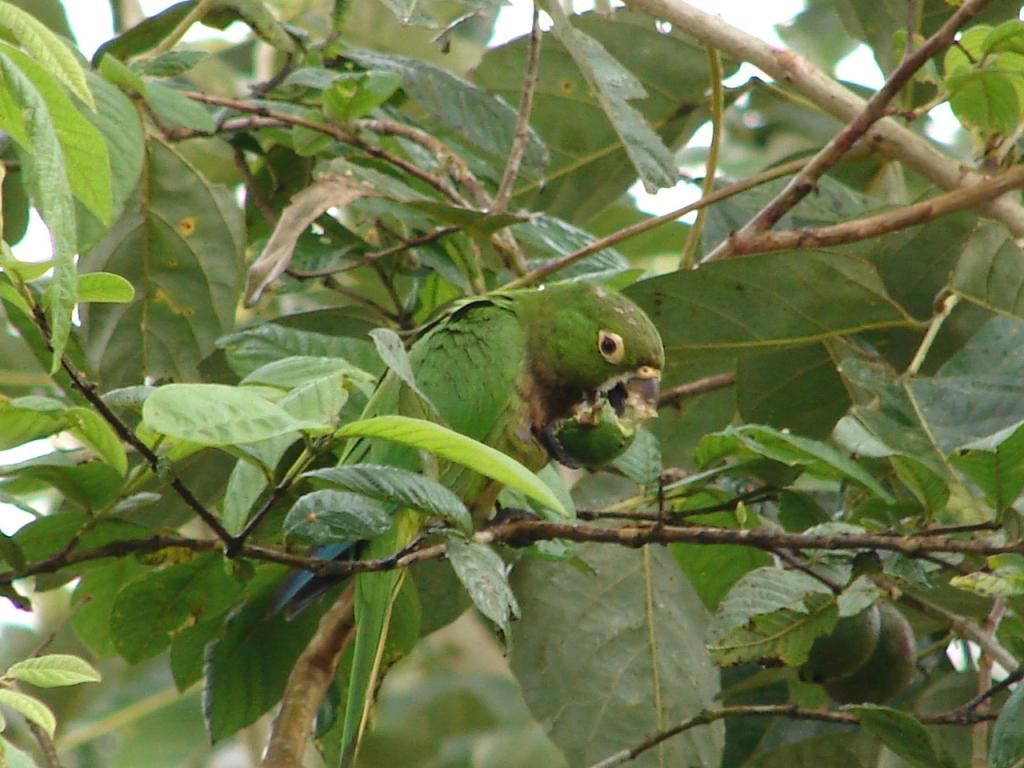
611, 347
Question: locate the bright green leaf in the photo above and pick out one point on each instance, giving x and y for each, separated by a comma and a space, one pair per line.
32, 708
104, 287
456, 447
53, 670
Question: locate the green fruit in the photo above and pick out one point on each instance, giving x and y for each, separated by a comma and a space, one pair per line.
849, 645
593, 435
888, 670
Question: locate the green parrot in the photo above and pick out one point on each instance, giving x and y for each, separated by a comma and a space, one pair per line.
521, 370
565, 371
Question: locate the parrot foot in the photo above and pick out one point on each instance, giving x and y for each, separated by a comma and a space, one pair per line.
504, 515
555, 447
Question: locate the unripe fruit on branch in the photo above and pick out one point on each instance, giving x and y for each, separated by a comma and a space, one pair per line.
888, 670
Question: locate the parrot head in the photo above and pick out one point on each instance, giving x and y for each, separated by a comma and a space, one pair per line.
592, 344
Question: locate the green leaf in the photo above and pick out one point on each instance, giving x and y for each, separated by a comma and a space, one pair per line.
590, 168
788, 449
85, 153
612, 650
615, 86
51, 191
151, 609
248, 664
988, 99
776, 300
392, 352
394, 485
458, 448
485, 576
713, 568
903, 734
768, 384
30, 707
355, 94
94, 431
295, 371
46, 48
145, 35
995, 464
990, 271
1007, 750
771, 614
328, 517
457, 104
216, 414
179, 243
53, 670
104, 287
29, 418
175, 108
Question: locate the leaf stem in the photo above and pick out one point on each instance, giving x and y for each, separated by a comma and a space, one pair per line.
711, 164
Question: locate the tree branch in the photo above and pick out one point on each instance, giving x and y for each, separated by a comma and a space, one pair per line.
88, 390
640, 227
676, 395
875, 108
522, 131
976, 194
963, 626
792, 711
308, 683
523, 532
885, 136
335, 133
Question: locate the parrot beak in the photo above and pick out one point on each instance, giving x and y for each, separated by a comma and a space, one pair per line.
634, 396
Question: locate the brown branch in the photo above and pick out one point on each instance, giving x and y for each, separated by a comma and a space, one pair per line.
676, 395
88, 390
308, 683
879, 224
961, 625
792, 711
522, 132
640, 227
875, 109
370, 258
796, 72
335, 133
523, 532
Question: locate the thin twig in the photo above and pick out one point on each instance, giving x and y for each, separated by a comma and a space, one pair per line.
723, 193
88, 390
519, 533
791, 711
196, 14
522, 132
676, 395
979, 731
370, 258
875, 109
334, 132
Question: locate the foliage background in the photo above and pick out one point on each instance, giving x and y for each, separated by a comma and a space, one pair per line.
841, 421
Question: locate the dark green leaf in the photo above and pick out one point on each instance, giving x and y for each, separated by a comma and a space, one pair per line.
151, 609
485, 576
395, 485
606, 652
903, 734
1007, 748
328, 517
179, 242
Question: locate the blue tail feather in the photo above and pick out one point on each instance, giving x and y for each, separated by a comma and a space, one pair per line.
300, 588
